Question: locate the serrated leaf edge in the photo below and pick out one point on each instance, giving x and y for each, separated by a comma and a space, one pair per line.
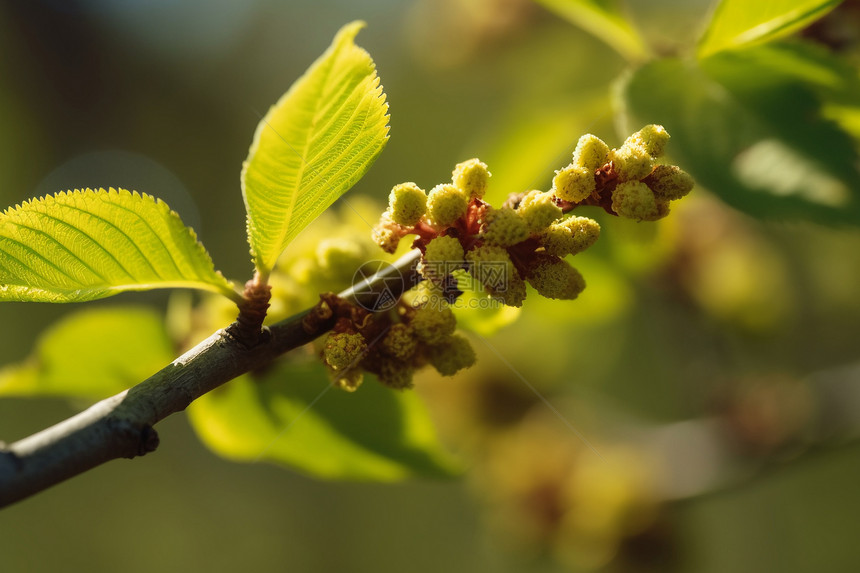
42, 203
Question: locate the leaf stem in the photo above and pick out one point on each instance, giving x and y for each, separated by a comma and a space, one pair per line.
235, 295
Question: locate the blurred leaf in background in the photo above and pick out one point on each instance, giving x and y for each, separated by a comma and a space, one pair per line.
293, 416
606, 19
751, 134
92, 354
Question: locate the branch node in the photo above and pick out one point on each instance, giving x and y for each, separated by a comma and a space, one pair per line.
247, 330
320, 314
149, 440
329, 310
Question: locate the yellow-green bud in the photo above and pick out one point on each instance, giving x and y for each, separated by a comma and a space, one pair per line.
428, 293
446, 204
343, 349
632, 161
349, 380
442, 256
590, 153
570, 236
492, 267
514, 293
573, 184
652, 137
445, 249
538, 210
555, 278
338, 258
396, 374
452, 355
407, 203
386, 233
504, 228
433, 324
669, 182
635, 200
399, 342
471, 177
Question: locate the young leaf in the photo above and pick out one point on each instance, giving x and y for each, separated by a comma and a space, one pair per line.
738, 23
606, 20
92, 354
85, 245
751, 134
373, 434
312, 146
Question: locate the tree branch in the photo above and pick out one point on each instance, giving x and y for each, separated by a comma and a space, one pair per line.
121, 426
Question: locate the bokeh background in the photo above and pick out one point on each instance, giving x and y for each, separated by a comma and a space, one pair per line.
696, 409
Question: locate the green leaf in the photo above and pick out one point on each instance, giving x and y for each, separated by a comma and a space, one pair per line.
312, 146
84, 245
740, 23
835, 81
292, 416
92, 354
832, 77
606, 20
751, 134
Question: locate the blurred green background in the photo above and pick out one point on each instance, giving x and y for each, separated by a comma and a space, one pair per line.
710, 318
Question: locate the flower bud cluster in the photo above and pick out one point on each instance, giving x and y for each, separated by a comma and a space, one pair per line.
394, 345
523, 242
503, 249
411, 210
627, 181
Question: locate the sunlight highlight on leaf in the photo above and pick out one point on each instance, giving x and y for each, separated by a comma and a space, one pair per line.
312, 146
84, 245
738, 23
606, 20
